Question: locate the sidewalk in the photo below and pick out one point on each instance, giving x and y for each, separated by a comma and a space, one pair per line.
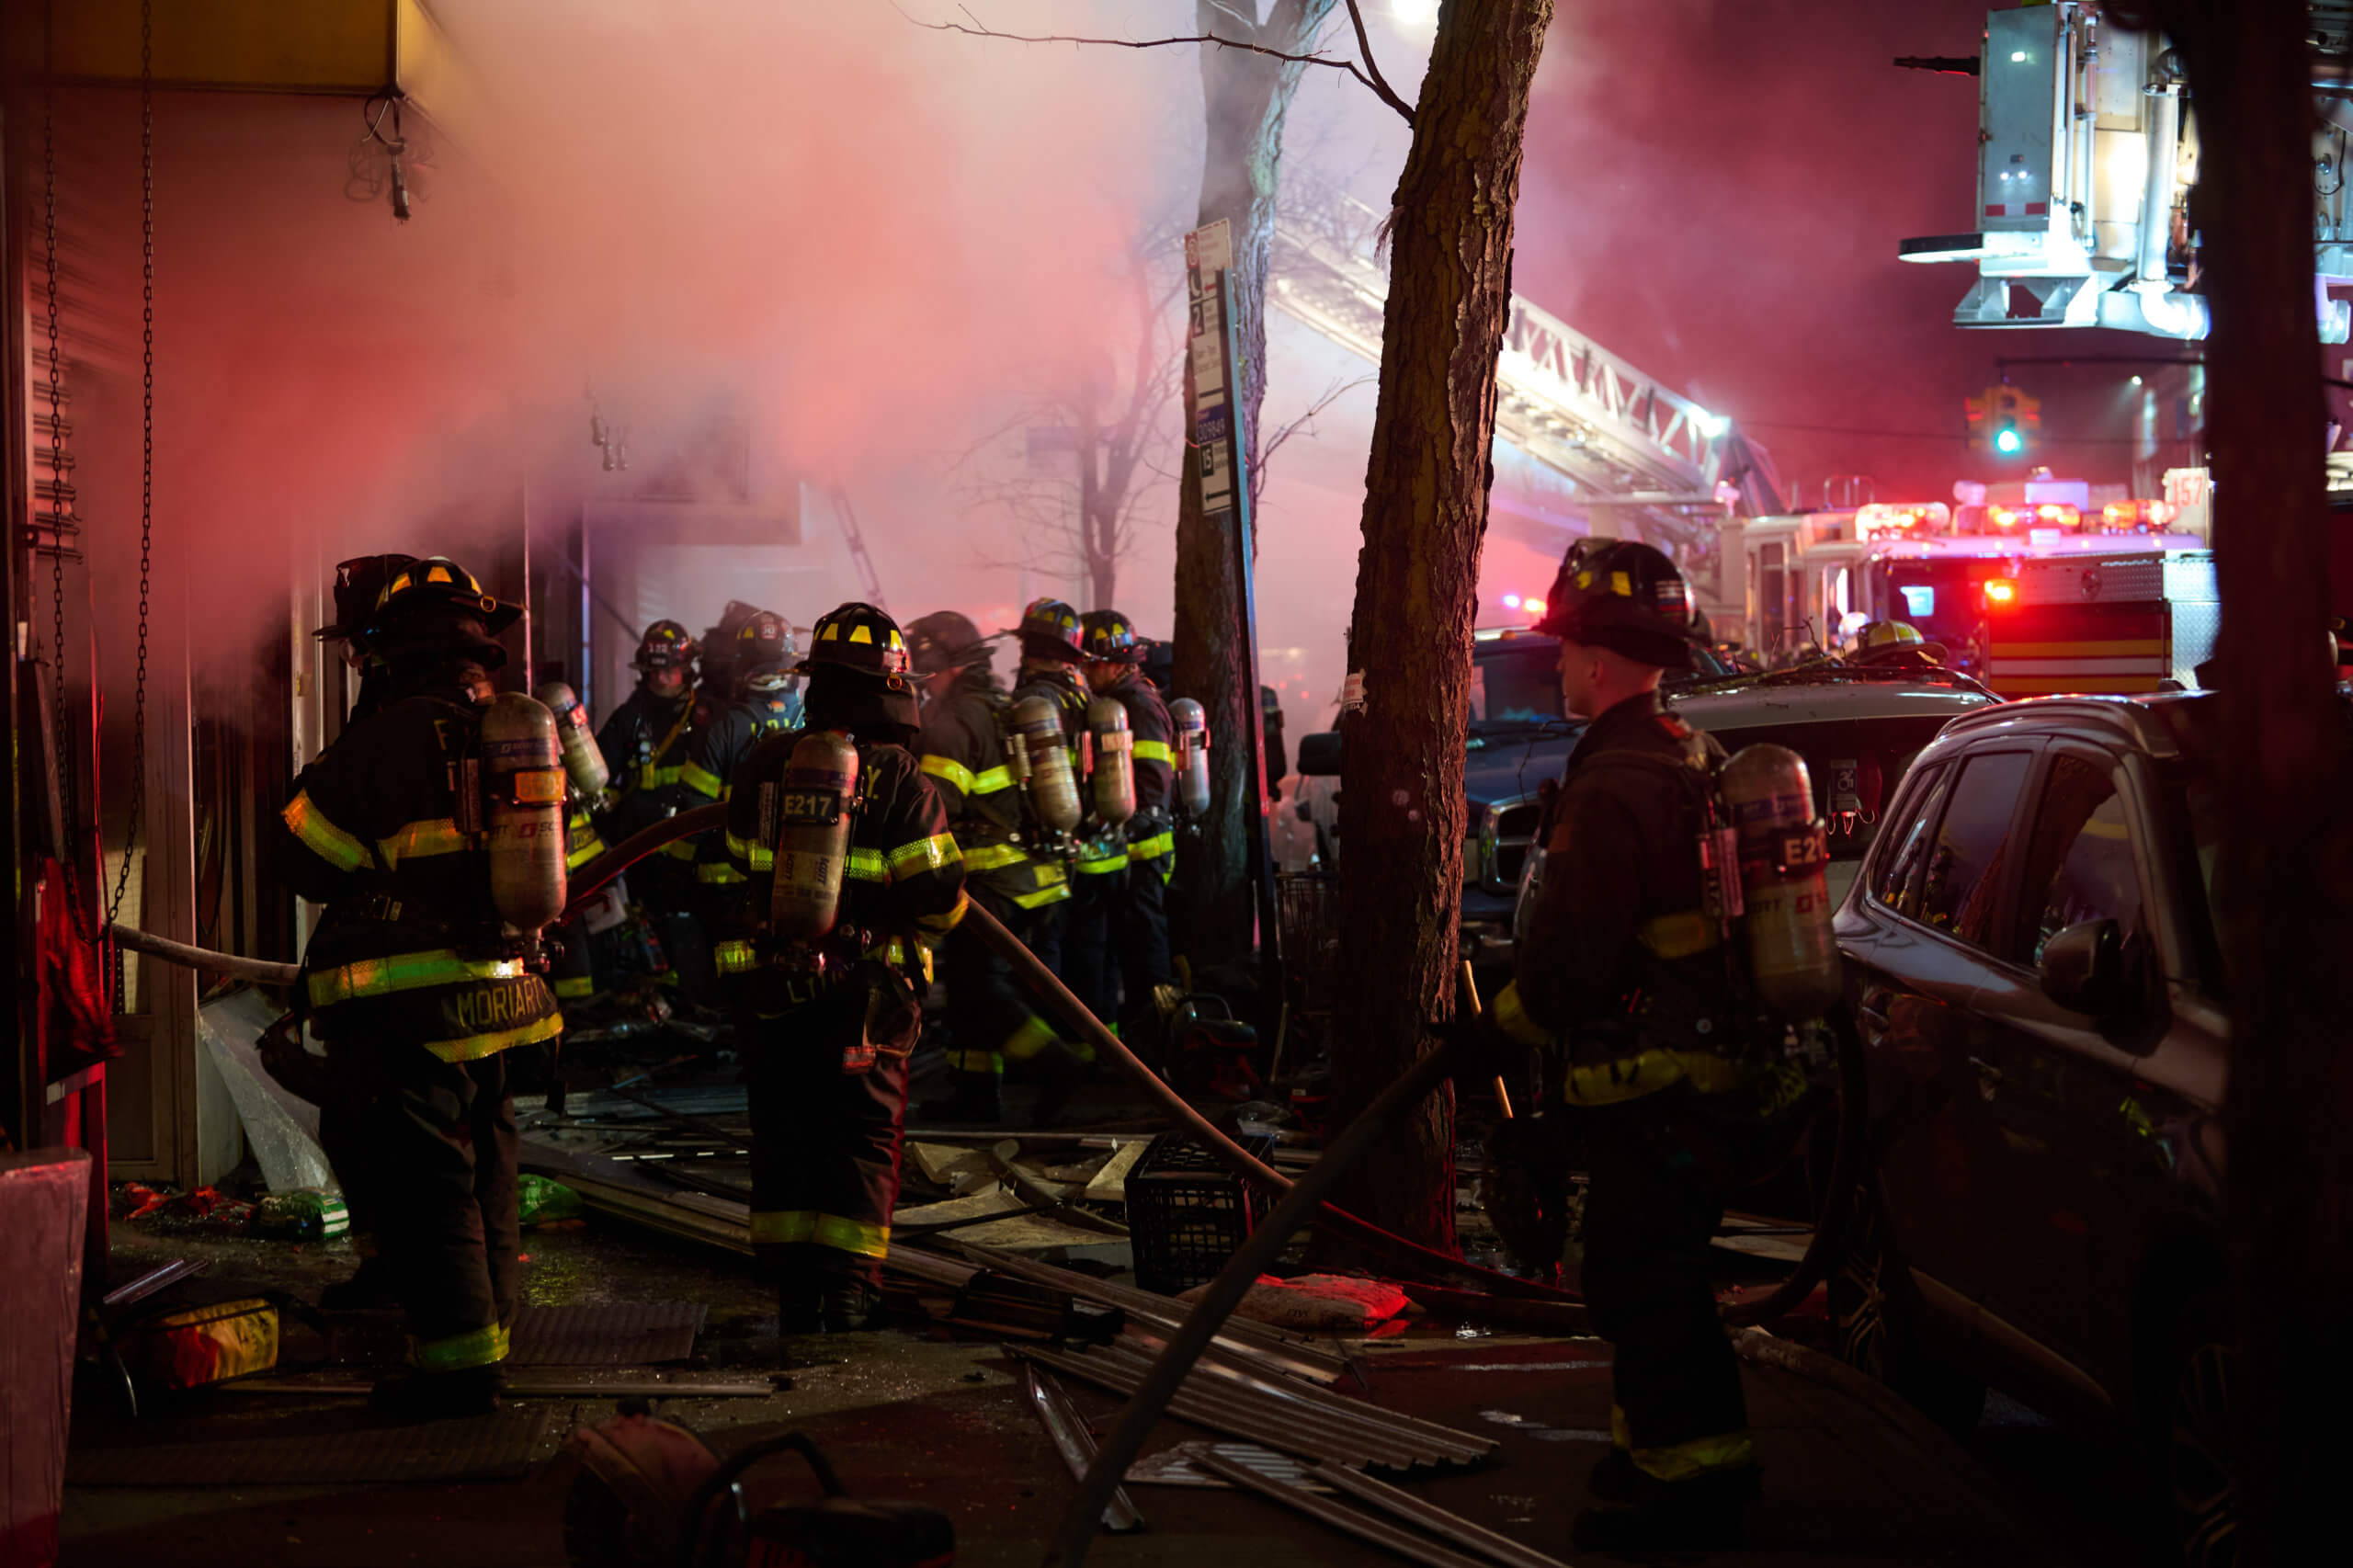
1851, 1481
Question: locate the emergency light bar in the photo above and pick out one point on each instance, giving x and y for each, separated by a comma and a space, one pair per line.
1882, 519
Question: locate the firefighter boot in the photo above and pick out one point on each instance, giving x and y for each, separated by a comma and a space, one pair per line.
972, 1102
1059, 1070
849, 1305
411, 1395
800, 1304
1702, 1514
370, 1285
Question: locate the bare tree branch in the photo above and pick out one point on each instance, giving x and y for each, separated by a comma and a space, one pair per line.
1379, 83
1372, 84
1284, 432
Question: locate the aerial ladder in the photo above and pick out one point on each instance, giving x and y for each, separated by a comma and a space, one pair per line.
1633, 449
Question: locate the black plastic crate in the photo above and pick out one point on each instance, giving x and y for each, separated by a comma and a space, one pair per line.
1187, 1213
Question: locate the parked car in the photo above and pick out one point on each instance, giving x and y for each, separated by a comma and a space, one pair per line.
2032, 967
1857, 729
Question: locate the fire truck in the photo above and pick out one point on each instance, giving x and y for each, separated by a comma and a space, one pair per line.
1793, 582
2107, 623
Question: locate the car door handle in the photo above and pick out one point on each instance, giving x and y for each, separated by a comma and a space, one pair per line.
1873, 1008
1989, 1077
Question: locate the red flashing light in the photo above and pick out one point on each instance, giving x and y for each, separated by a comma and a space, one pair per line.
2001, 593
2002, 516
1533, 607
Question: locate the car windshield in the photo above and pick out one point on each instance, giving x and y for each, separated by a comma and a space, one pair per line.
1515, 685
1853, 763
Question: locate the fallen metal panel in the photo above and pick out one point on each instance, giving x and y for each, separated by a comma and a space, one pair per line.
1300, 1402
1364, 1527
1070, 1434
1430, 1516
1239, 1335
607, 1334
1174, 1466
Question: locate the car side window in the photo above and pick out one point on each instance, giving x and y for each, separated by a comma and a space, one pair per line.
1898, 883
2079, 863
1964, 870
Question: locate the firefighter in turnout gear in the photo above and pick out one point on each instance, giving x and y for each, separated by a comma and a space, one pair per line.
644, 740
963, 750
1118, 940
644, 744
358, 583
760, 674
416, 978
846, 876
1053, 655
1624, 982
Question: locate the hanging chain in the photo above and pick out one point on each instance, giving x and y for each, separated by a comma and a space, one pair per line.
147, 439
59, 749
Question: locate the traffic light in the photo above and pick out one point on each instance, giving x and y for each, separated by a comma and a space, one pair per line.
2004, 422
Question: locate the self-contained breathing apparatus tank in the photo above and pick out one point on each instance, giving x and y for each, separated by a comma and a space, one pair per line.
1784, 909
523, 779
814, 814
1114, 779
1193, 726
1039, 759
583, 759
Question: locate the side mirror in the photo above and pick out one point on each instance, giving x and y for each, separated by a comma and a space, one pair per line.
2083, 969
1319, 755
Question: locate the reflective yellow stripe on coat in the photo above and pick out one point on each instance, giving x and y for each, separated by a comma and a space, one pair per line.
404, 971
1153, 751
321, 837
477, 1347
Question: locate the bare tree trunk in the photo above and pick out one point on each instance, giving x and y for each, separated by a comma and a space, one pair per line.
2286, 865
1246, 96
1424, 516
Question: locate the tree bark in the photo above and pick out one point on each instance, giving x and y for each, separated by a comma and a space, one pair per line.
2286, 868
1246, 97
1424, 516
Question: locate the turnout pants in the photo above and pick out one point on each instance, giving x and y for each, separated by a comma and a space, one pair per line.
1655, 1198
825, 1141
1115, 947
1140, 932
437, 1141
989, 1015
1088, 967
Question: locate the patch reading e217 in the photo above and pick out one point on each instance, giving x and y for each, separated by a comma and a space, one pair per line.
808, 805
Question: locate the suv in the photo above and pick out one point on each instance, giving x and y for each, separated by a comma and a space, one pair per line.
1515, 740
2033, 972
1857, 728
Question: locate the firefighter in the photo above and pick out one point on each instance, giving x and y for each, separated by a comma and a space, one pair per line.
1118, 940
1052, 654
848, 876
416, 980
963, 751
1624, 975
644, 744
342, 1116
644, 740
759, 675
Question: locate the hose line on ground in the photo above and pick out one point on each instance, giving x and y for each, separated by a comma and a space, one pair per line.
1032, 972
1265, 1243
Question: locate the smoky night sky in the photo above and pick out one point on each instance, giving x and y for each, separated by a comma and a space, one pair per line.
872, 244
1715, 190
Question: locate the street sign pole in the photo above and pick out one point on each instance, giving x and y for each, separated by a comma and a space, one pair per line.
1219, 456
